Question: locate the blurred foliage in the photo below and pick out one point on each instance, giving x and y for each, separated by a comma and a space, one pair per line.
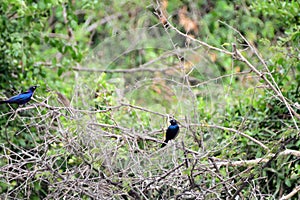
42, 42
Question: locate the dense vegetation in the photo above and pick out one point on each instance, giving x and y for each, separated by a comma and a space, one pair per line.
111, 74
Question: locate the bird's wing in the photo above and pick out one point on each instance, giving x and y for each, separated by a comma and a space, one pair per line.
177, 131
169, 134
19, 97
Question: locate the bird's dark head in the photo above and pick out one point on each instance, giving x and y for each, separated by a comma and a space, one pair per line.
32, 88
173, 122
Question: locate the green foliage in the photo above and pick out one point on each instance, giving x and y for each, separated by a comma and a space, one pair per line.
115, 146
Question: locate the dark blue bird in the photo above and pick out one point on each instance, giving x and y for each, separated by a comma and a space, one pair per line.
22, 98
172, 132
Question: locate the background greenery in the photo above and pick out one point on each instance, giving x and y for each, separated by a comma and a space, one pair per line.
103, 141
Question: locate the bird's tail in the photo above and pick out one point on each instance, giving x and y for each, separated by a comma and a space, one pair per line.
164, 144
2, 102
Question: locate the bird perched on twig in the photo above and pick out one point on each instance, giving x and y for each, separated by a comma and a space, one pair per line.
22, 98
62, 99
172, 132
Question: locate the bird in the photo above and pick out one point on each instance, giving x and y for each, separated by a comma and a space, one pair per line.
63, 99
172, 132
22, 98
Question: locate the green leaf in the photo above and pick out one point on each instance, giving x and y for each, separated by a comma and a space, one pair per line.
60, 71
